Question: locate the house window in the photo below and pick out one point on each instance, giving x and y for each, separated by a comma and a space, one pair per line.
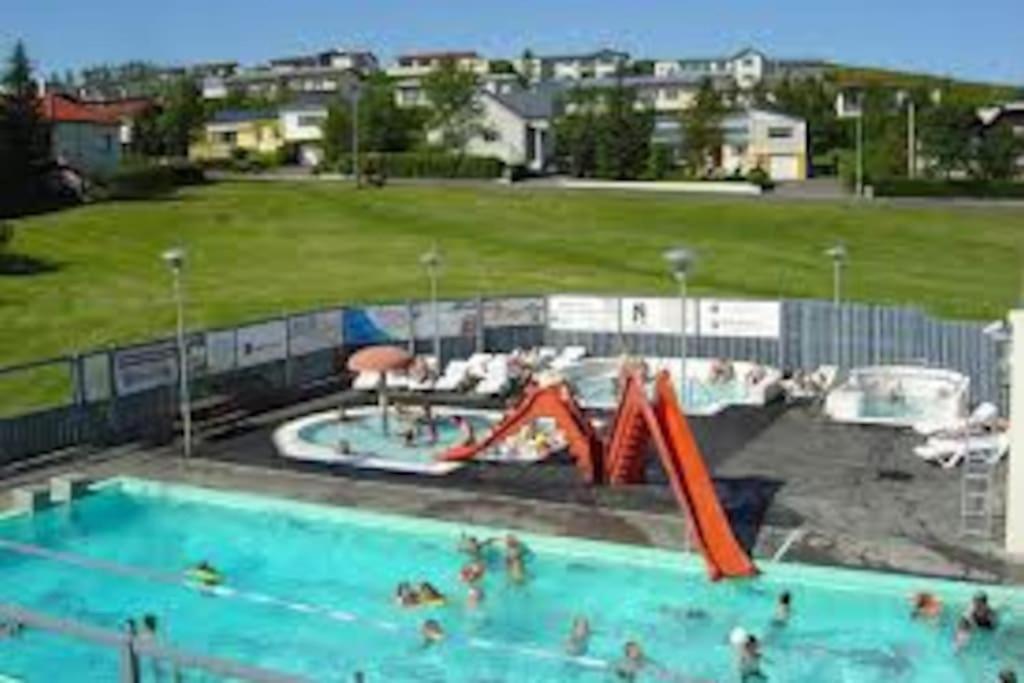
780, 132
227, 137
670, 93
491, 135
310, 120
108, 143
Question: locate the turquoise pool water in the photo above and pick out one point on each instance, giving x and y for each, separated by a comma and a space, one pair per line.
365, 436
600, 391
341, 566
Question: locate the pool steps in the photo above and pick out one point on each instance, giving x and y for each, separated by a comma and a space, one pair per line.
61, 489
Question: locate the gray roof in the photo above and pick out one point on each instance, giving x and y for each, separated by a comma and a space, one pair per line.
596, 54
242, 115
537, 102
648, 81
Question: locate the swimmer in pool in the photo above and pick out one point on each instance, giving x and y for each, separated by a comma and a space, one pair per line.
749, 659
344, 447
783, 609
405, 596
205, 574
409, 437
466, 429
428, 595
632, 662
515, 559
962, 635
472, 572
579, 637
1007, 676
473, 547
926, 607
11, 629
981, 614
431, 632
474, 597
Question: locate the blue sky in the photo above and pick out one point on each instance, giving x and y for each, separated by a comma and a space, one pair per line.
981, 40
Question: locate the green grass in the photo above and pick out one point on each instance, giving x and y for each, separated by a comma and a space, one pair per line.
261, 249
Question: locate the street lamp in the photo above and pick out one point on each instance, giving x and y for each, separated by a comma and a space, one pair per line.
838, 254
431, 261
175, 260
680, 260
354, 93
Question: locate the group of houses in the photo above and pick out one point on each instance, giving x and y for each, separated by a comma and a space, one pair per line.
520, 100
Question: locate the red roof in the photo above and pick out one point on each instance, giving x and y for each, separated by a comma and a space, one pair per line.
63, 109
121, 109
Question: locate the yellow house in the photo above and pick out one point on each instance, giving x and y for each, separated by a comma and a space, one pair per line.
256, 132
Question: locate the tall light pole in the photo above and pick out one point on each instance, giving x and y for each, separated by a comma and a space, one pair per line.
354, 94
431, 261
911, 138
175, 260
860, 151
838, 254
680, 260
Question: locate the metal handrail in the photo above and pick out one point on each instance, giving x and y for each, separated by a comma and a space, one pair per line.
130, 647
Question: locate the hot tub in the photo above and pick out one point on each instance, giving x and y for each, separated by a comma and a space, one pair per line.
899, 396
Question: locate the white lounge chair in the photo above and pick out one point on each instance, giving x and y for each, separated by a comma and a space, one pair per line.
497, 379
983, 415
397, 380
950, 452
427, 383
366, 381
454, 376
570, 355
477, 364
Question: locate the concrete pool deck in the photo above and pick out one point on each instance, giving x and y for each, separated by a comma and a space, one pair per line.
810, 491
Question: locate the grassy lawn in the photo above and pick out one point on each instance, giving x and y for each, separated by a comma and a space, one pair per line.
258, 249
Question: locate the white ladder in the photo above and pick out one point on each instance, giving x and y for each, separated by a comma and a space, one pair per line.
976, 488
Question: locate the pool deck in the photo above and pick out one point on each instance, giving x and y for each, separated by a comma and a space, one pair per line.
799, 487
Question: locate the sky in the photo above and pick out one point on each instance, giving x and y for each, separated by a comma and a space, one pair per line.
974, 40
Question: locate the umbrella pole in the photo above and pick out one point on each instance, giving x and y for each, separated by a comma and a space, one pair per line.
382, 401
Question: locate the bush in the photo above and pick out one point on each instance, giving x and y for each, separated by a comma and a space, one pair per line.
758, 176
659, 162
6, 235
424, 165
923, 187
144, 180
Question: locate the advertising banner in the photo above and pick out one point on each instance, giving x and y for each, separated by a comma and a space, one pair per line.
738, 318
96, 377
375, 325
314, 332
583, 313
262, 343
657, 316
145, 367
518, 312
220, 351
454, 318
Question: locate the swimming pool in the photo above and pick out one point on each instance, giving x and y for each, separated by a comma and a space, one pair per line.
900, 396
317, 437
312, 590
595, 381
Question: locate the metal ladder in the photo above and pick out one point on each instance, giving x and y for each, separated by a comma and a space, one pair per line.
976, 491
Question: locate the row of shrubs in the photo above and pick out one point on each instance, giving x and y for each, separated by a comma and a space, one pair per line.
142, 180
421, 165
926, 187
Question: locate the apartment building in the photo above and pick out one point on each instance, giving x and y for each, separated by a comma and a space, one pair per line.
747, 68
603, 63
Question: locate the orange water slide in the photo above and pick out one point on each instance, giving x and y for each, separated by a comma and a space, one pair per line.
693, 487
626, 453
554, 402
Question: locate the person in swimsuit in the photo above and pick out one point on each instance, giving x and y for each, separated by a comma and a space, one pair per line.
579, 637
962, 634
981, 614
926, 607
783, 609
632, 662
431, 632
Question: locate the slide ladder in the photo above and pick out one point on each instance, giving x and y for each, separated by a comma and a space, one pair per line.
554, 402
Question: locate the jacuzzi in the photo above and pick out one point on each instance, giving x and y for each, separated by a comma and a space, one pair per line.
899, 396
751, 384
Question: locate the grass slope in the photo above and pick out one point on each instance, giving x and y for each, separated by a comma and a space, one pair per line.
260, 249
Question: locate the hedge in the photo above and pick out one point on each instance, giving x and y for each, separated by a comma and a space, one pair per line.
144, 180
923, 187
423, 165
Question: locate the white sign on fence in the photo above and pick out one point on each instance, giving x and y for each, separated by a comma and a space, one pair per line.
262, 343
583, 313
521, 312
220, 351
314, 332
454, 319
657, 316
145, 367
738, 318
96, 377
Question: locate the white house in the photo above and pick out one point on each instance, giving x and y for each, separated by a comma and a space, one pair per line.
746, 68
573, 67
418, 64
302, 126
769, 140
82, 137
518, 127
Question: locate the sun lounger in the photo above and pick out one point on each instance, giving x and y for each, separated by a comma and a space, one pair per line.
950, 452
570, 355
982, 416
454, 376
427, 382
397, 380
477, 364
366, 381
496, 380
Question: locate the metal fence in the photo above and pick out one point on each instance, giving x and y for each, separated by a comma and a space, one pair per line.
119, 395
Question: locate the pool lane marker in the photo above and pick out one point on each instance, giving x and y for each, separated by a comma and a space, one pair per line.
265, 599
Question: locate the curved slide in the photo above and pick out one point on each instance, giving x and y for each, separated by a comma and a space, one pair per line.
554, 402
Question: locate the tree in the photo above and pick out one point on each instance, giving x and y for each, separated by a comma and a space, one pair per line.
997, 152
702, 128
24, 135
623, 135
456, 112
813, 99
575, 131
945, 131
383, 125
337, 131
181, 117
6, 236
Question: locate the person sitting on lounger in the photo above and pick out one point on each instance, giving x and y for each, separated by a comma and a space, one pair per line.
579, 637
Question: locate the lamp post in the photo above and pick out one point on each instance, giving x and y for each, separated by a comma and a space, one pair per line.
431, 261
860, 152
175, 260
680, 260
354, 94
838, 254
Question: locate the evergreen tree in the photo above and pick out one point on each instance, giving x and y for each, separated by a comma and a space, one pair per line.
24, 135
702, 129
997, 152
456, 112
182, 116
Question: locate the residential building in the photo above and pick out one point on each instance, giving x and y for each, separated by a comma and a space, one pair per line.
1010, 114
302, 123
747, 68
82, 137
360, 61
518, 126
253, 132
124, 112
269, 81
602, 63
418, 64
665, 95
